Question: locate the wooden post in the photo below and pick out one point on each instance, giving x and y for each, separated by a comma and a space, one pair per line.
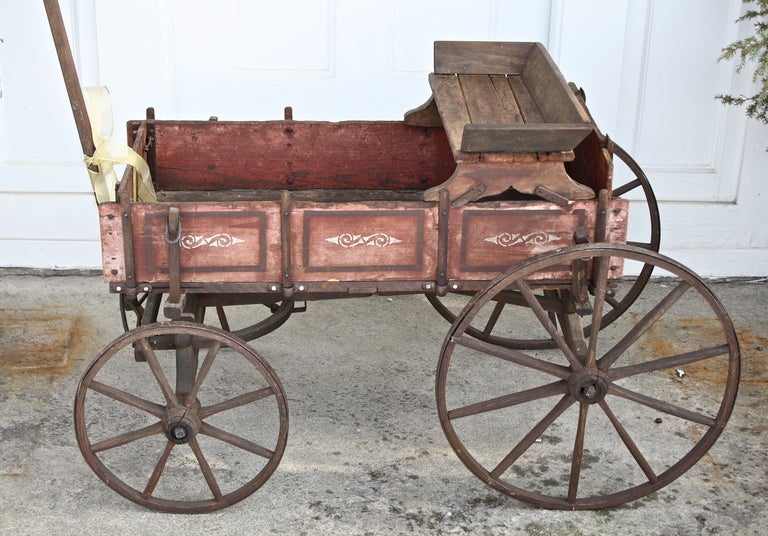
67, 63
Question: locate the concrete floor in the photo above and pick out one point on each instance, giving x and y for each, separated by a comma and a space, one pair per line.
366, 453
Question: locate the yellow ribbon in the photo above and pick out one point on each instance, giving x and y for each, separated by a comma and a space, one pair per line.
108, 153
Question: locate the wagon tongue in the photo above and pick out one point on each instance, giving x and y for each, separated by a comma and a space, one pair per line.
100, 152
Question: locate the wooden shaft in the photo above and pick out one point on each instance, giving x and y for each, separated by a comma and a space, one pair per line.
67, 63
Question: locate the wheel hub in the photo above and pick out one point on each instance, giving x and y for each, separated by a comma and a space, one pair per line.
588, 386
181, 425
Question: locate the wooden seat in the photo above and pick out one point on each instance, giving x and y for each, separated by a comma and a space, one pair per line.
510, 118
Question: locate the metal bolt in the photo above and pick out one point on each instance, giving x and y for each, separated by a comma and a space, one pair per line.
590, 392
302, 288
145, 288
455, 286
119, 288
273, 288
179, 432
428, 286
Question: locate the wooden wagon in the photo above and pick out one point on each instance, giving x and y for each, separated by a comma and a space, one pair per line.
498, 190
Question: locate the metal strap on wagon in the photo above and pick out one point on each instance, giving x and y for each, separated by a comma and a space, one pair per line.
98, 103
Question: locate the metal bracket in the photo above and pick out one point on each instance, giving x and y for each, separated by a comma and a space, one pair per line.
174, 305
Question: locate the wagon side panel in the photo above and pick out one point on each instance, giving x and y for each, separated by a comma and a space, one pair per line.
489, 239
219, 243
365, 242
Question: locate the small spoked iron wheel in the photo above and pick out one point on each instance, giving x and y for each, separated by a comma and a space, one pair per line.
599, 420
196, 424
637, 187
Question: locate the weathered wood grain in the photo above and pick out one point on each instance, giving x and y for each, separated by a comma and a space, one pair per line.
515, 138
296, 155
549, 89
477, 57
490, 238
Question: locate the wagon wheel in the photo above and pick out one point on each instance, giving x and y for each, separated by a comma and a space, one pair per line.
601, 420
208, 442
265, 317
617, 303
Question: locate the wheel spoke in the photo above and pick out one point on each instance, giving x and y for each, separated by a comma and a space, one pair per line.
532, 436
159, 468
529, 395
127, 398
578, 454
237, 441
204, 370
660, 405
128, 437
514, 356
631, 446
543, 317
601, 288
154, 366
641, 327
668, 362
618, 192
495, 314
236, 402
206, 469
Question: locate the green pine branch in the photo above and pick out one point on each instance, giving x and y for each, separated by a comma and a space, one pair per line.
752, 49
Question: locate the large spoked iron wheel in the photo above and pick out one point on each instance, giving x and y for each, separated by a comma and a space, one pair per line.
176, 433
599, 420
639, 188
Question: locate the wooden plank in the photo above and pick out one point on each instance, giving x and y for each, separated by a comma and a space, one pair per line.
297, 155
112, 253
477, 57
511, 111
453, 109
525, 102
531, 138
481, 99
555, 100
489, 99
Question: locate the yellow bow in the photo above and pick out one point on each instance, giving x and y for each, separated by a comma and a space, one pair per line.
98, 102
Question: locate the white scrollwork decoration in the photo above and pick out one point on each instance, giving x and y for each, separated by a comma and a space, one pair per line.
220, 240
508, 240
349, 240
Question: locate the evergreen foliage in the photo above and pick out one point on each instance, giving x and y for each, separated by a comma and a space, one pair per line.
751, 49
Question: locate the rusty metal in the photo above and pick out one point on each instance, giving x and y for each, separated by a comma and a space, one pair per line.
442, 242
285, 243
593, 384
